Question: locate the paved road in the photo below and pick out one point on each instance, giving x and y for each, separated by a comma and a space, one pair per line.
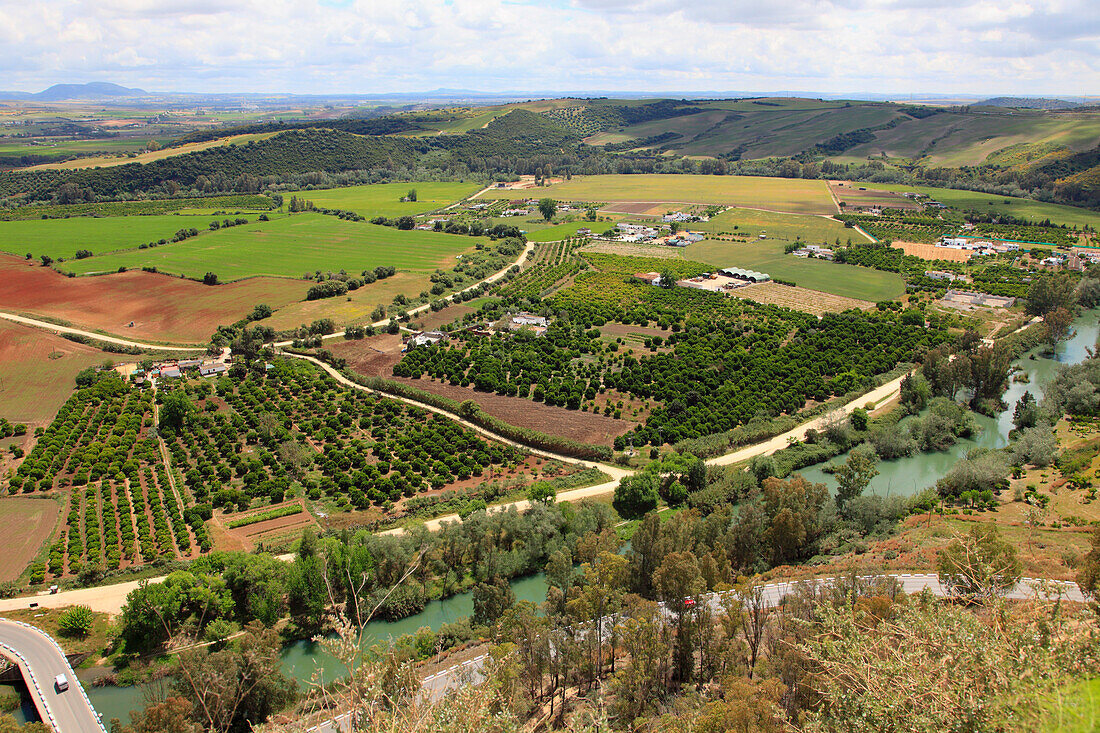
421, 308
97, 336
41, 660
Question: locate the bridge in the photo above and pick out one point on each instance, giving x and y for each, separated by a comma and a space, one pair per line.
40, 659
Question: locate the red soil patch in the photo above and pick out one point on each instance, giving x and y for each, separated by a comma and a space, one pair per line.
637, 207
247, 536
375, 357
24, 524
162, 308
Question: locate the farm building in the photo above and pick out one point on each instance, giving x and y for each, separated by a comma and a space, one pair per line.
750, 275
649, 278
941, 275
968, 300
213, 370
170, 372
424, 338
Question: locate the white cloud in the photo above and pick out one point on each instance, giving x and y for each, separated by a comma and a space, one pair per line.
980, 46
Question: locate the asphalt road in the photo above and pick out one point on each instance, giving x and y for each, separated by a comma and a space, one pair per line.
41, 660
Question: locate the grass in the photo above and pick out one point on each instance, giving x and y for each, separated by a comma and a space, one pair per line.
986, 202
384, 199
560, 231
290, 247
767, 256
797, 195
63, 237
1073, 709
781, 227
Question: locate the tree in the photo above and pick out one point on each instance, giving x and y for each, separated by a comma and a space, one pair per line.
854, 475
1026, 413
668, 278
491, 599
677, 581
1058, 323
411, 195
76, 621
238, 687
979, 564
636, 495
210, 279
542, 492
175, 408
858, 419
46, 260
1049, 293
170, 716
548, 207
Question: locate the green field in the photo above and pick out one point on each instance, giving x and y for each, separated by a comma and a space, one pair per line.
777, 194
987, 202
290, 247
558, 231
63, 237
782, 227
384, 199
767, 256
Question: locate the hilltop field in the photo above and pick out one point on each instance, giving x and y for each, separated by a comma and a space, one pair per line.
797, 196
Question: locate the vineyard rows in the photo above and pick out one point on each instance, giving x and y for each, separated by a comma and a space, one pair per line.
554, 263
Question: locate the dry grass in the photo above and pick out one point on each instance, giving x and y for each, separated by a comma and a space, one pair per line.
932, 252
25, 524
800, 299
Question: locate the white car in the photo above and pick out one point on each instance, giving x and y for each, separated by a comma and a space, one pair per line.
61, 682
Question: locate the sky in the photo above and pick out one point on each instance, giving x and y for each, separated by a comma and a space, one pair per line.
1017, 47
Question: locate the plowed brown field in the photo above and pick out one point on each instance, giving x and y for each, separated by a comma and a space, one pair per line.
376, 356
162, 308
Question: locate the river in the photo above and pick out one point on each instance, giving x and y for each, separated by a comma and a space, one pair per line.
909, 476
301, 658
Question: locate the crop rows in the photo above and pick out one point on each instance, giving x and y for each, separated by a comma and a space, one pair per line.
256, 437
555, 262
276, 513
120, 508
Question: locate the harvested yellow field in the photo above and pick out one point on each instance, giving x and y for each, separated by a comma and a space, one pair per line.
799, 299
932, 252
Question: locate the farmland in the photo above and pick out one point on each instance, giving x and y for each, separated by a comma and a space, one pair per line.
778, 194
377, 355
63, 237
205, 205
161, 308
987, 203
384, 199
37, 370
345, 450
25, 524
768, 256
289, 247
682, 388
800, 299
145, 156
954, 139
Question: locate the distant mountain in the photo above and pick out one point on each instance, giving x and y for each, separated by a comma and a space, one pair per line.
99, 90
93, 90
1026, 103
